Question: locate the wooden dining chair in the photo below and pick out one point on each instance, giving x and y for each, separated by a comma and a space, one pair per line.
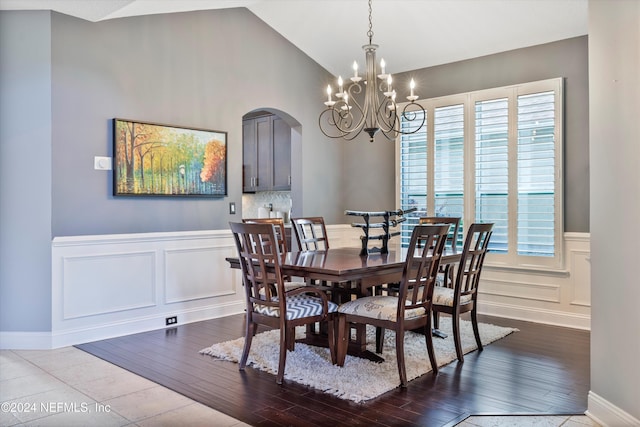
280, 229
281, 237
311, 233
410, 309
463, 296
452, 242
267, 301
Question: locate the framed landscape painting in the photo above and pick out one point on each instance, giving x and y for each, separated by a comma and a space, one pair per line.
159, 160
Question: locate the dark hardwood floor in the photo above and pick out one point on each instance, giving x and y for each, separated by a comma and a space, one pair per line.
539, 370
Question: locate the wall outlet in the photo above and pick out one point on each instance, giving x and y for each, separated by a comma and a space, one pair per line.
171, 320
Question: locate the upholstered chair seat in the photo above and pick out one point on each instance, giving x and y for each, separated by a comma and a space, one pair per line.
379, 307
444, 296
298, 307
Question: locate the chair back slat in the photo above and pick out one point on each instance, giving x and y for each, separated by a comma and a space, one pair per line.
311, 233
421, 267
472, 259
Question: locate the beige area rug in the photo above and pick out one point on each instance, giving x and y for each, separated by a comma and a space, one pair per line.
359, 379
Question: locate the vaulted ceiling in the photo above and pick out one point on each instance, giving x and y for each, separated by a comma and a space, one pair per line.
412, 34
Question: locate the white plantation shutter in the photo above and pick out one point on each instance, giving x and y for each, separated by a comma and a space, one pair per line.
492, 156
413, 173
536, 174
492, 169
448, 179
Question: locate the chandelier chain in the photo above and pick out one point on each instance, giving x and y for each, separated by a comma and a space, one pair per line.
370, 32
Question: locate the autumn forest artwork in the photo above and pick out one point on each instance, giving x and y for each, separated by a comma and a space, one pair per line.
159, 160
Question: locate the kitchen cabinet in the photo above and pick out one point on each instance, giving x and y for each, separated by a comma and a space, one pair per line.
266, 152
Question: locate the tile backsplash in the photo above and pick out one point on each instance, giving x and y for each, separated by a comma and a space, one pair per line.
281, 201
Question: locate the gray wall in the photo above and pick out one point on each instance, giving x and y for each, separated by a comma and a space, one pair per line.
565, 58
25, 171
200, 69
614, 87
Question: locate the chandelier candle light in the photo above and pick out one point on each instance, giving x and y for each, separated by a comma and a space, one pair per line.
345, 117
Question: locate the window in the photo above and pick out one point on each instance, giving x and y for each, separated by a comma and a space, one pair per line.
491, 156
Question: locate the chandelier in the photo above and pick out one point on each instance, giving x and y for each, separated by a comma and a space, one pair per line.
369, 104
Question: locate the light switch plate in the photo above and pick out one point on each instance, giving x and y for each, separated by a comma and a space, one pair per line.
232, 208
102, 163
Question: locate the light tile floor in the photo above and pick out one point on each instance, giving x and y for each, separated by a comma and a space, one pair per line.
528, 421
68, 387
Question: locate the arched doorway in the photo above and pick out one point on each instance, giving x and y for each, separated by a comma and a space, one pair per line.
270, 164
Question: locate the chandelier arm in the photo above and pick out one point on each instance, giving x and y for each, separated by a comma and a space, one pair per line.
411, 112
355, 89
351, 123
347, 136
325, 116
386, 115
340, 117
391, 135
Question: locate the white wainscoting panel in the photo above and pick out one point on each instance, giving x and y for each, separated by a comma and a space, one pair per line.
107, 283
113, 285
192, 274
521, 289
581, 278
557, 297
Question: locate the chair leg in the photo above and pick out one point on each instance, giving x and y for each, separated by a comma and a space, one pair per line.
400, 356
455, 321
476, 331
331, 335
284, 331
248, 337
430, 350
291, 339
436, 320
342, 340
379, 339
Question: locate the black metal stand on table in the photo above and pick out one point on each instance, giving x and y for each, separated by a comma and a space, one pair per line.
389, 219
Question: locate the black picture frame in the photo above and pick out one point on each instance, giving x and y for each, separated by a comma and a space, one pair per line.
152, 159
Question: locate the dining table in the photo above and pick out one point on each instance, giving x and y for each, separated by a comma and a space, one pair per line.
346, 273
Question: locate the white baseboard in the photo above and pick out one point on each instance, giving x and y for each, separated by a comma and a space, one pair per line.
530, 314
607, 414
51, 340
142, 324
